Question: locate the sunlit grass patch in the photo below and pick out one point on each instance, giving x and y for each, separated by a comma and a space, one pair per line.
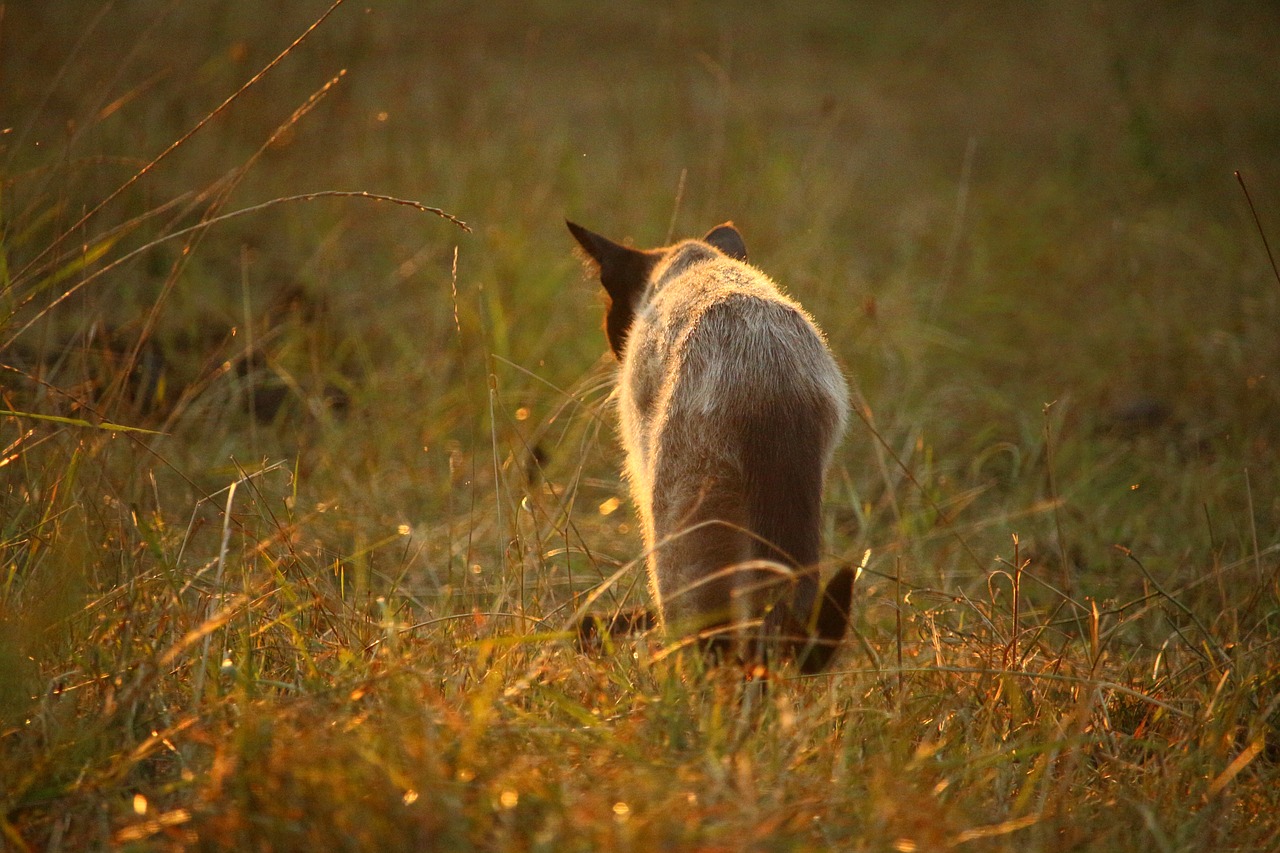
299, 499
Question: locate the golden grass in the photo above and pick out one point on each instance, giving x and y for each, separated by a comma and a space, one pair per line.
314, 597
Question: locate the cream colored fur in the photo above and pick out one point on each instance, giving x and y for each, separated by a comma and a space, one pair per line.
731, 406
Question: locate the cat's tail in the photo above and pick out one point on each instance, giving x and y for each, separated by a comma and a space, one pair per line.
828, 623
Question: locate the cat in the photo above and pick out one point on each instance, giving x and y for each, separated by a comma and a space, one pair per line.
731, 407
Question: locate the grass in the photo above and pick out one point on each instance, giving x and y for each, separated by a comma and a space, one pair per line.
297, 502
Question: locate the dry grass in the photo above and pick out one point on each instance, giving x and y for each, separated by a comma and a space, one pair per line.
295, 503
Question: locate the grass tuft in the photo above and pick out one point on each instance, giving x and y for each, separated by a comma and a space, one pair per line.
297, 501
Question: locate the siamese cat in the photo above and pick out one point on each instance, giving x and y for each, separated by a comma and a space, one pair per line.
731, 406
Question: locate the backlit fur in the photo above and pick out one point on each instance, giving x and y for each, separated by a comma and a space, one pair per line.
731, 406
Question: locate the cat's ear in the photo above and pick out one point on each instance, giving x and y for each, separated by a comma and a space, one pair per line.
624, 272
727, 239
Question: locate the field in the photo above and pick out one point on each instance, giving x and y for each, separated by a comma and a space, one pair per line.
308, 458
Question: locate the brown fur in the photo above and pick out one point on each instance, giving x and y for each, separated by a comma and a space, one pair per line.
731, 406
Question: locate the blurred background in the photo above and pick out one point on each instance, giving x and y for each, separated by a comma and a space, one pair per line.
988, 207
299, 490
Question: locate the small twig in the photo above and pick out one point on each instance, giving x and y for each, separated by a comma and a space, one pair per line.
1018, 566
1253, 524
416, 205
1258, 222
453, 289
198, 688
675, 209
897, 593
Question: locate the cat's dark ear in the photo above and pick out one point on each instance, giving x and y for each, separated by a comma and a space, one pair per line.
624, 272
727, 239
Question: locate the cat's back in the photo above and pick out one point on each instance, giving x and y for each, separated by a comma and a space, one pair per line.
728, 334
694, 277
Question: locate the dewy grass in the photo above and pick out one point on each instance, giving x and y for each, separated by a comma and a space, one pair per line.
297, 500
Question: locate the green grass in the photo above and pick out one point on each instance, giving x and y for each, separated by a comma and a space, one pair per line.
315, 598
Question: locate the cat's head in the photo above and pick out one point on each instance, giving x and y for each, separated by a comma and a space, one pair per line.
626, 272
